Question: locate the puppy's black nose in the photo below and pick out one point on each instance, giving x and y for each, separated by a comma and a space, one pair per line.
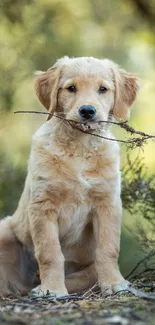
87, 112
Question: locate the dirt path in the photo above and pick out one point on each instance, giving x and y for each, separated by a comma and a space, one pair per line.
122, 310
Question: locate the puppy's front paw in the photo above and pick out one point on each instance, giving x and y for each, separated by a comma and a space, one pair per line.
42, 292
108, 290
122, 286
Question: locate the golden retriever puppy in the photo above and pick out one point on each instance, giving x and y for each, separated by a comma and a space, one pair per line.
68, 220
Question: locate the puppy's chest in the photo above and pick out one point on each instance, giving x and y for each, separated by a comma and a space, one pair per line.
80, 181
83, 182
88, 171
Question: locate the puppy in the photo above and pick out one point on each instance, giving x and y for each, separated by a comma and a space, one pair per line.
68, 220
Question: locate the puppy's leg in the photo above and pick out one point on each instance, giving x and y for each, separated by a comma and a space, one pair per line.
107, 227
45, 236
11, 281
80, 281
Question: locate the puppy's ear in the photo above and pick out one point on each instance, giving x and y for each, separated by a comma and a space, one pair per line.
46, 87
126, 88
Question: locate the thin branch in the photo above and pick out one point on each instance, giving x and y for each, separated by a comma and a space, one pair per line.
138, 141
88, 293
149, 285
146, 9
140, 262
142, 294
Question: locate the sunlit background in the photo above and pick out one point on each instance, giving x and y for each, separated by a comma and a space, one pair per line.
33, 34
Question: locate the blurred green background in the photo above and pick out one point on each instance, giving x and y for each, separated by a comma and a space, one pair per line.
33, 34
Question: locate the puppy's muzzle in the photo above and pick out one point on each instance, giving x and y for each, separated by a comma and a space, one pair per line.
87, 112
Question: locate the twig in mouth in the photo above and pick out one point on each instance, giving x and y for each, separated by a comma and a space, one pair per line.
138, 141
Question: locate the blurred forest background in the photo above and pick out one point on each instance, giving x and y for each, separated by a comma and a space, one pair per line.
33, 34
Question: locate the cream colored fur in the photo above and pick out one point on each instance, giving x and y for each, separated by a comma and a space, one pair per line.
68, 220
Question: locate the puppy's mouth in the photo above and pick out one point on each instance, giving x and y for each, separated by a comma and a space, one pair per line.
87, 126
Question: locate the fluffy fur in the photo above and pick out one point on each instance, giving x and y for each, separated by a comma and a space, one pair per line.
68, 219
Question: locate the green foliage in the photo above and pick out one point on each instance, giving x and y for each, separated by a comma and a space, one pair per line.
138, 189
11, 185
138, 196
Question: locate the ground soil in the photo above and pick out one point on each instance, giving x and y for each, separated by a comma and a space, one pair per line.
136, 308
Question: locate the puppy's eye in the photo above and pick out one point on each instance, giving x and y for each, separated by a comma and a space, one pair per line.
102, 90
71, 89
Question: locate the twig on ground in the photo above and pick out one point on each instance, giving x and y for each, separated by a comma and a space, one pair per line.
137, 292
146, 258
142, 294
149, 285
90, 292
52, 298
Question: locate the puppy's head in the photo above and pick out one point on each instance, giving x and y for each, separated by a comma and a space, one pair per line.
87, 89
